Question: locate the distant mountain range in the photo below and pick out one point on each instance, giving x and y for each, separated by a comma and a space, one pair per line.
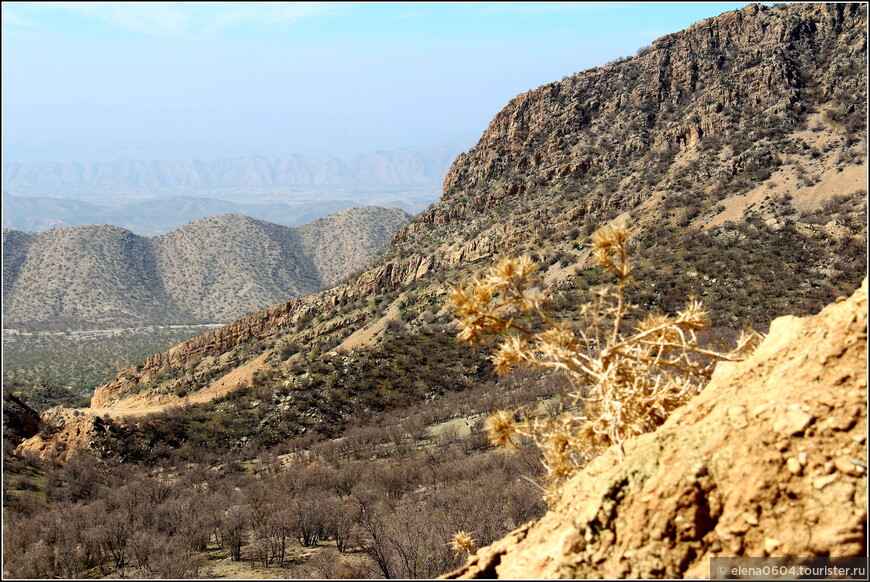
151, 197
153, 217
210, 270
381, 168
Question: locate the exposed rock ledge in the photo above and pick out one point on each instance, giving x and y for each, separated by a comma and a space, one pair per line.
770, 459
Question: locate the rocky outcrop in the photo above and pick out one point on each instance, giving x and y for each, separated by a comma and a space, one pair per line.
64, 431
769, 460
743, 72
291, 316
258, 325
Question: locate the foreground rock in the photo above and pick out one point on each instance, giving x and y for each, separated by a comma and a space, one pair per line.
770, 459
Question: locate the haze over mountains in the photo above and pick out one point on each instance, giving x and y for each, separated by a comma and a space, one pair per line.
151, 197
381, 168
736, 152
156, 216
210, 270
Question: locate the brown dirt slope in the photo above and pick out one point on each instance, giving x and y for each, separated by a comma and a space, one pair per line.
770, 459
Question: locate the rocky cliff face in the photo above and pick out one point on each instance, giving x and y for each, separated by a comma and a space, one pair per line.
745, 75
754, 117
769, 460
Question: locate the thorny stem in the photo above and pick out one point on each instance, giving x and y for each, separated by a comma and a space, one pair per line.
622, 274
622, 399
728, 357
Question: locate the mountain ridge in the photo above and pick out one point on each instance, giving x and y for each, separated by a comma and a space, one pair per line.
156, 216
211, 269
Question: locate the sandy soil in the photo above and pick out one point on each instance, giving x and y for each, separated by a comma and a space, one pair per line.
366, 336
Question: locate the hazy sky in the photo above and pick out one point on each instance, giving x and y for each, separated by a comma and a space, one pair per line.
99, 81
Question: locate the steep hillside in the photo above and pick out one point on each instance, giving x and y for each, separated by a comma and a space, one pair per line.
213, 269
89, 274
757, 116
345, 241
769, 460
736, 147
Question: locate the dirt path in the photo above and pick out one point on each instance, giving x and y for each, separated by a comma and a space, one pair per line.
108, 332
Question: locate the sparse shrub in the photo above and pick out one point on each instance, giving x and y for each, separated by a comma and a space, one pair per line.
395, 326
625, 379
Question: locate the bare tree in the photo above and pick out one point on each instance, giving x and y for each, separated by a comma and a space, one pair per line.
233, 530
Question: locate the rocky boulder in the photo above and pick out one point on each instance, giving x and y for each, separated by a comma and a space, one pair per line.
769, 460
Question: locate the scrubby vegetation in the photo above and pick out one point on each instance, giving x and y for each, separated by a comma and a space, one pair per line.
363, 463
80, 362
380, 499
41, 396
748, 272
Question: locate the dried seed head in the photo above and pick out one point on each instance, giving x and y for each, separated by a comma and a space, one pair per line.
557, 451
693, 315
608, 237
512, 270
463, 542
608, 241
500, 427
557, 343
512, 352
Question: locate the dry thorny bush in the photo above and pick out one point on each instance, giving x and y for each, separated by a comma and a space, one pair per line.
624, 378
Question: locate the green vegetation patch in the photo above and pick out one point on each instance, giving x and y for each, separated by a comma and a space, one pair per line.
81, 363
